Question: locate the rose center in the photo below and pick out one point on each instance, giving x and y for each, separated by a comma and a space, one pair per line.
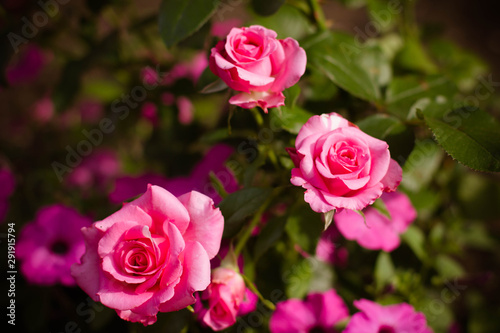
138, 260
386, 329
59, 247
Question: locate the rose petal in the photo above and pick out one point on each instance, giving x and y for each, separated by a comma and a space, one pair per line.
207, 222
263, 99
195, 277
88, 274
291, 64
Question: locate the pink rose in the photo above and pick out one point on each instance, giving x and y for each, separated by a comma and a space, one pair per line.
152, 254
253, 61
396, 318
225, 294
340, 166
376, 231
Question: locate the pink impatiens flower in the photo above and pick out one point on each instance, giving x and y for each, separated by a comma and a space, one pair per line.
152, 254
253, 61
340, 166
318, 313
397, 318
49, 245
376, 231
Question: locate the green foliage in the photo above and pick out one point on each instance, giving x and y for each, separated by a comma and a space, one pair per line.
178, 19
469, 135
237, 206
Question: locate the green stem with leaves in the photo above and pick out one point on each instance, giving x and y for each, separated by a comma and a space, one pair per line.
317, 15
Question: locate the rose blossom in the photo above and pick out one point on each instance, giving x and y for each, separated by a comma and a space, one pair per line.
318, 313
225, 295
376, 231
340, 166
253, 61
49, 245
152, 254
396, 318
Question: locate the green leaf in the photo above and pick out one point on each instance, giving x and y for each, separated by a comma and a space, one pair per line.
237, 206
291, 120
384, 270
360, 69
304, 227
269, 235
374, 61
178, 19
447, 267
267, 7
298, 277
415, 239
346, 74
381, 126
288, 21
422, 164
403, 92
413, 56
380, 12
469, 135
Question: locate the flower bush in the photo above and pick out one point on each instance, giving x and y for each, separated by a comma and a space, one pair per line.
246, 166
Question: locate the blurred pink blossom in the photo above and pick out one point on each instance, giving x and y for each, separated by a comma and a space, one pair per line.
186, 110
48, 246
127, 187
27, 67
319, 312
43, 110
376, 231
91, 111
328, 249
396, 318
7, 185
149, 111
97, 170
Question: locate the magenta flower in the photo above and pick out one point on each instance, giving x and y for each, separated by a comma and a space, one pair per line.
151, 255
27, 67
97, 170
397, 318
319, 312
376, 231
7, 185
328, 249
199, 180
49, 245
